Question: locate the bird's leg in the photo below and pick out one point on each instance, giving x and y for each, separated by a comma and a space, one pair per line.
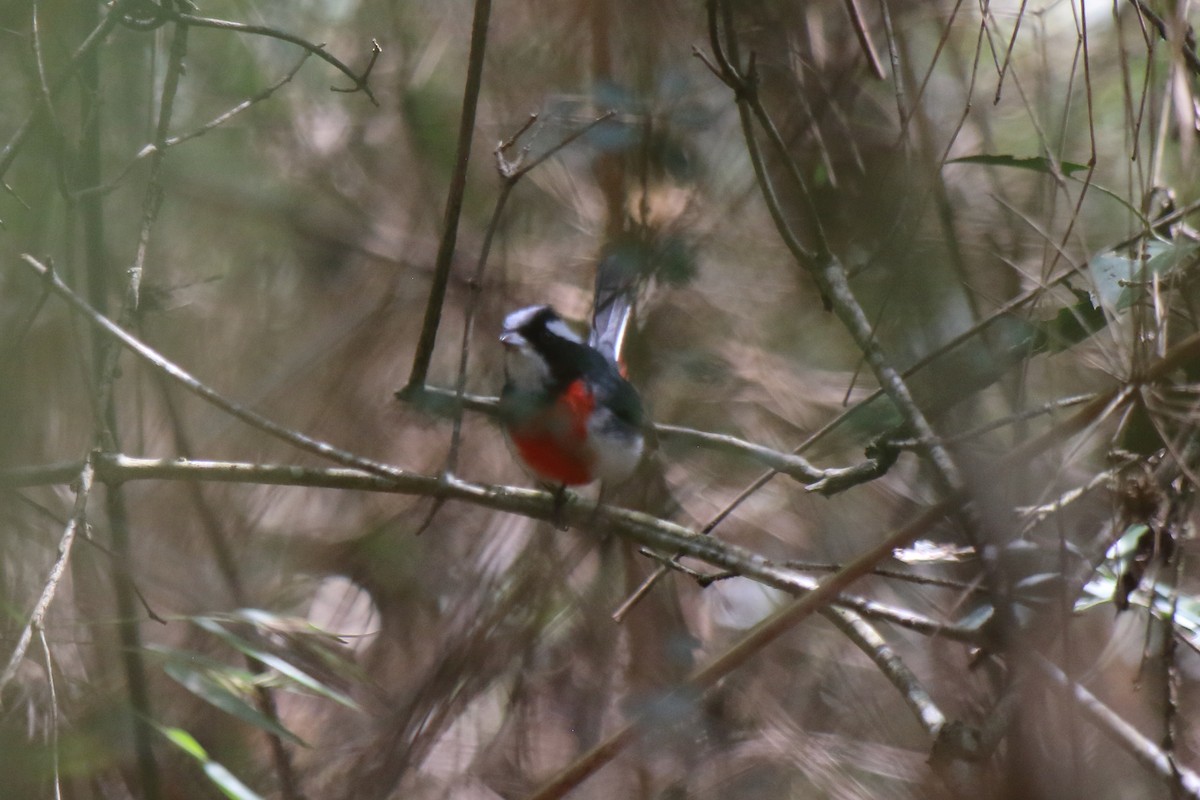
560, 502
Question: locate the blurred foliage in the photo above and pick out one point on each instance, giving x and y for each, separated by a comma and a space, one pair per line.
1015, 215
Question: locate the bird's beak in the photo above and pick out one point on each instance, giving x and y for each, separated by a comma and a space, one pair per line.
512, 340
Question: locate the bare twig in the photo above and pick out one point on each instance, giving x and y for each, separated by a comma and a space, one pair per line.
871, 609
1187, 43
192, 384
1146, 752
9, 152
511, 172
78, 519
54, 715
827, 481
152, 199
215, 122
641, 528
318, 50
864, 39
454, 200
868, 640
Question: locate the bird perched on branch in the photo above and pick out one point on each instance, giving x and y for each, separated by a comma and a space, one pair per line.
570, 414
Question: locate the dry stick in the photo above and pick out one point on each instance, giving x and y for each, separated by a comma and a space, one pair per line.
765, 632
78, 520
761, 635
510, 173
454, 199
213, 123
1187, 45
54, 715
318, 50
160, 362
643, 529
827, 481
858, 604
1145, 751
9, 152
867, 639
864, 38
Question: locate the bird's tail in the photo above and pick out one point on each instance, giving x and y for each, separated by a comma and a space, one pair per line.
616, 289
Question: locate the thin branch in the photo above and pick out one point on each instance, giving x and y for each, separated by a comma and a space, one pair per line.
54, 714
660, 535
215, 122
152, 199
454, 200
827, 482
78, 519
192, 384
871, 609
318, 50
868, 640
1187, 44
8, 153
1146, 752
750, 645
864, 38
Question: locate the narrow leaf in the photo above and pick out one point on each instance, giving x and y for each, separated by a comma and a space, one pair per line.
212, 691
1035, 163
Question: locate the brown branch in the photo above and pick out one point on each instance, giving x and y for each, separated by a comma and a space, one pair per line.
454, 200
8, 153
657, 534
192, 384
83, 490
826, 482
318, 50
1146, 752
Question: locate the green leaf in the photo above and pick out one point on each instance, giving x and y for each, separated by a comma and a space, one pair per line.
1070, 326
228, 783
222, 778
280, 665
1035, 163
209, 688
185, 742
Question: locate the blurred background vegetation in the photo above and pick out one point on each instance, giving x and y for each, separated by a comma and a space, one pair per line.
1009, 187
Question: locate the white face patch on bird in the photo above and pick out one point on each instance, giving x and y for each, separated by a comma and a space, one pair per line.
570, 414
525, 334
525, 322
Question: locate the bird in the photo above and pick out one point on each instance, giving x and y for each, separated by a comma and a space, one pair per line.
570, 414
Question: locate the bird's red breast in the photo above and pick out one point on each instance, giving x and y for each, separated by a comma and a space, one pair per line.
554, 442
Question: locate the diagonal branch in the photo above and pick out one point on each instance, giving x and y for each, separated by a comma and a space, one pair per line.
78, 519
194, 385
